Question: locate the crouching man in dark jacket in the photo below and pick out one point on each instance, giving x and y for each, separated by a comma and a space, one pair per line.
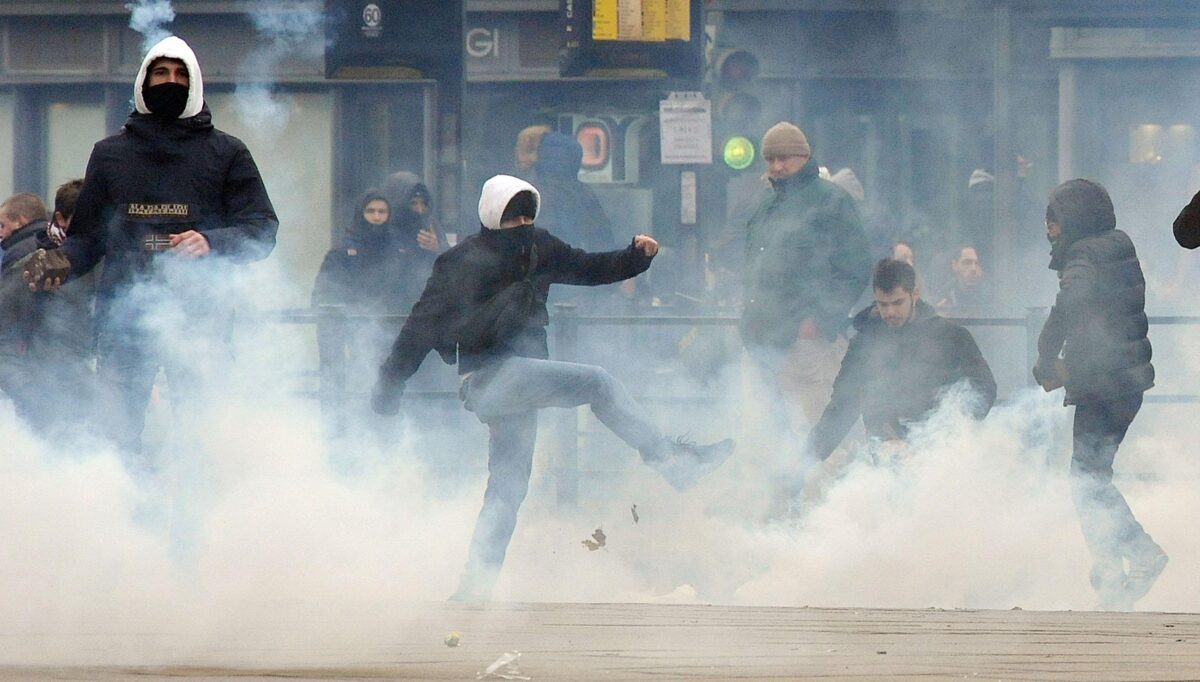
899, 365
896, 370
1094, 343
486, 302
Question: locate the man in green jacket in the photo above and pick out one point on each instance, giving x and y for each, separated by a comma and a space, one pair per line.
807, 262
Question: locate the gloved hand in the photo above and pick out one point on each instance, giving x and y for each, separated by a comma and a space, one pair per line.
46, 269
386, 397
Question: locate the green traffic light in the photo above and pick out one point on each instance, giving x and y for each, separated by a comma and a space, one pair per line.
738, 153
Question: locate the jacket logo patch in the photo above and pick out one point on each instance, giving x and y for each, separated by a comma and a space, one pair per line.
155, 210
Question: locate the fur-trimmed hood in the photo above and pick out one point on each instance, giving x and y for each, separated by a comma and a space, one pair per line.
172, 47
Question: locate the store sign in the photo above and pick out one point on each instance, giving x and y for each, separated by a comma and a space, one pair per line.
611, 144
483, 43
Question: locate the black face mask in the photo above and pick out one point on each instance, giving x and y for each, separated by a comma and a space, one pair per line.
166, 100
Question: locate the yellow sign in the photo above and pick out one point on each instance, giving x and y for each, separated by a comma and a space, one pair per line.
679, 20
629, 19
604, 20
654, 20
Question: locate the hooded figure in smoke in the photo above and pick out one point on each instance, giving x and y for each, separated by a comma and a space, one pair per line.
164, 195
485, 305
571, 209
367, 274
1094, 343
413, 235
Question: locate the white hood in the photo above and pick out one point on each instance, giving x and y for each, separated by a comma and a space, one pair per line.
497, 192
172, 48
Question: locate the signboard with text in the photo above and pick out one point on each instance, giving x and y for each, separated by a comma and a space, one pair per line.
632, 38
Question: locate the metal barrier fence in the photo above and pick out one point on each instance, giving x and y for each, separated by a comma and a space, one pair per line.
566, 324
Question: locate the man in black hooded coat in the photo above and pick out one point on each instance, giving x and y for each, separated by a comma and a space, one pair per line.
166, 192
1094, 343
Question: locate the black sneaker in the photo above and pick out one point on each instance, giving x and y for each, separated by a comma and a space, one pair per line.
684, 463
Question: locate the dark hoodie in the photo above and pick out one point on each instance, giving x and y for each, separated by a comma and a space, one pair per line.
366, 272
895, 377
416, 263
164, 177
570, 208
1098, 323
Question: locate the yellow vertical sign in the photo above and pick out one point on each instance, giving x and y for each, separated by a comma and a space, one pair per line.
629, 19
604, 20
679, 20
654, 20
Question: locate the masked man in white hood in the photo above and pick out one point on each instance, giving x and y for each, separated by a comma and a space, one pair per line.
167, 192
484, 306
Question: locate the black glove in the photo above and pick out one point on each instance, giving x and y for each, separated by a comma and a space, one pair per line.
385, 398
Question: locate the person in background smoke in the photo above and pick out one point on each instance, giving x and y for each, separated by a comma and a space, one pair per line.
977, 225
1187, 224
899, 365
363, 275
32, 372
807, 263
1094, 343
525, 153
485, 305
967, 288
166, 193
413, 236
570, 208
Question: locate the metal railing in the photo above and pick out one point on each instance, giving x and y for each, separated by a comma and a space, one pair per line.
566, 324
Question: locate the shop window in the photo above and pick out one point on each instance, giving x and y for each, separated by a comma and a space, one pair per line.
1153, 143
71, 130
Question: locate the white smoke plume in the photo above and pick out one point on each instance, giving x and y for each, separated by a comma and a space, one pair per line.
262, 520
150, 18
284, 31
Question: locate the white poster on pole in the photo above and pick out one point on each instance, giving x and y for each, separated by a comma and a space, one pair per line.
685, 123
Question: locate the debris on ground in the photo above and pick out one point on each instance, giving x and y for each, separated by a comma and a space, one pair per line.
597, 540
504, 668
453, 639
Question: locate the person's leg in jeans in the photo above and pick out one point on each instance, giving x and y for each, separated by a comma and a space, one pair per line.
520, 384
506, 398
510, 461
1109, 527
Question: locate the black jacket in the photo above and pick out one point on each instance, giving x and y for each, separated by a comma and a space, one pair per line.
165, 177
368, 272
1187, 225
1098, 322
43, 351
894, 377
478, 271
414, 263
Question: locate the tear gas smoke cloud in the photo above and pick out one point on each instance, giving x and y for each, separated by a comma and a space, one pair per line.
265, 522
268, 522
284, 31
150, 18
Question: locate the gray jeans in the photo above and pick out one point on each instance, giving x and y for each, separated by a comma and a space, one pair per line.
506, 397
